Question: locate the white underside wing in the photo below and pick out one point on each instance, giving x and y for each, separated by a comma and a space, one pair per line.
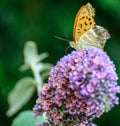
94, 37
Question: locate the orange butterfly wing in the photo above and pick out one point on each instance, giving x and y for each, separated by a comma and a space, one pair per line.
84, 21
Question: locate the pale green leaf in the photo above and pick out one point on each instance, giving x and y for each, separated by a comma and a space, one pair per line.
42, 56
31, 57
26, 118
44, 66
30, 52
20, 95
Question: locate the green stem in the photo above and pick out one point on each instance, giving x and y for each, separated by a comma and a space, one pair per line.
37, 76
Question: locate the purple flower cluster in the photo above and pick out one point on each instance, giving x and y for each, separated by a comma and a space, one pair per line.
82, 86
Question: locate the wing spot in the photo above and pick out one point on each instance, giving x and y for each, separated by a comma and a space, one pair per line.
86, 17
89, 19
90, 23
83, 17
80, 25
85, 23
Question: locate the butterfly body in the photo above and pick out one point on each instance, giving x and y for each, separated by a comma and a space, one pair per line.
86, 33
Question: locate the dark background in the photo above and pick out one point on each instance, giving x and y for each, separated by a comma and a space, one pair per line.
40, 21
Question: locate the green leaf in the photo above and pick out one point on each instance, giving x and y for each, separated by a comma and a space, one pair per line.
30, 52
31, 58
26, 118
42, 56
44, 66
20, 95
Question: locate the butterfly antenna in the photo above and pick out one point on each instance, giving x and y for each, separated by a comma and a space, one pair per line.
67, 49
66, 35
62, 38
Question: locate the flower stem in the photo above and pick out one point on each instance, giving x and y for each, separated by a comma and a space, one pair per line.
37, 76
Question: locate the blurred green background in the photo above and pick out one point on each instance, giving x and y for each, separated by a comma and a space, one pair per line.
40, 21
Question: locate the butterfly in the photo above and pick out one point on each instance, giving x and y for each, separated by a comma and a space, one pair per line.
85, 32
